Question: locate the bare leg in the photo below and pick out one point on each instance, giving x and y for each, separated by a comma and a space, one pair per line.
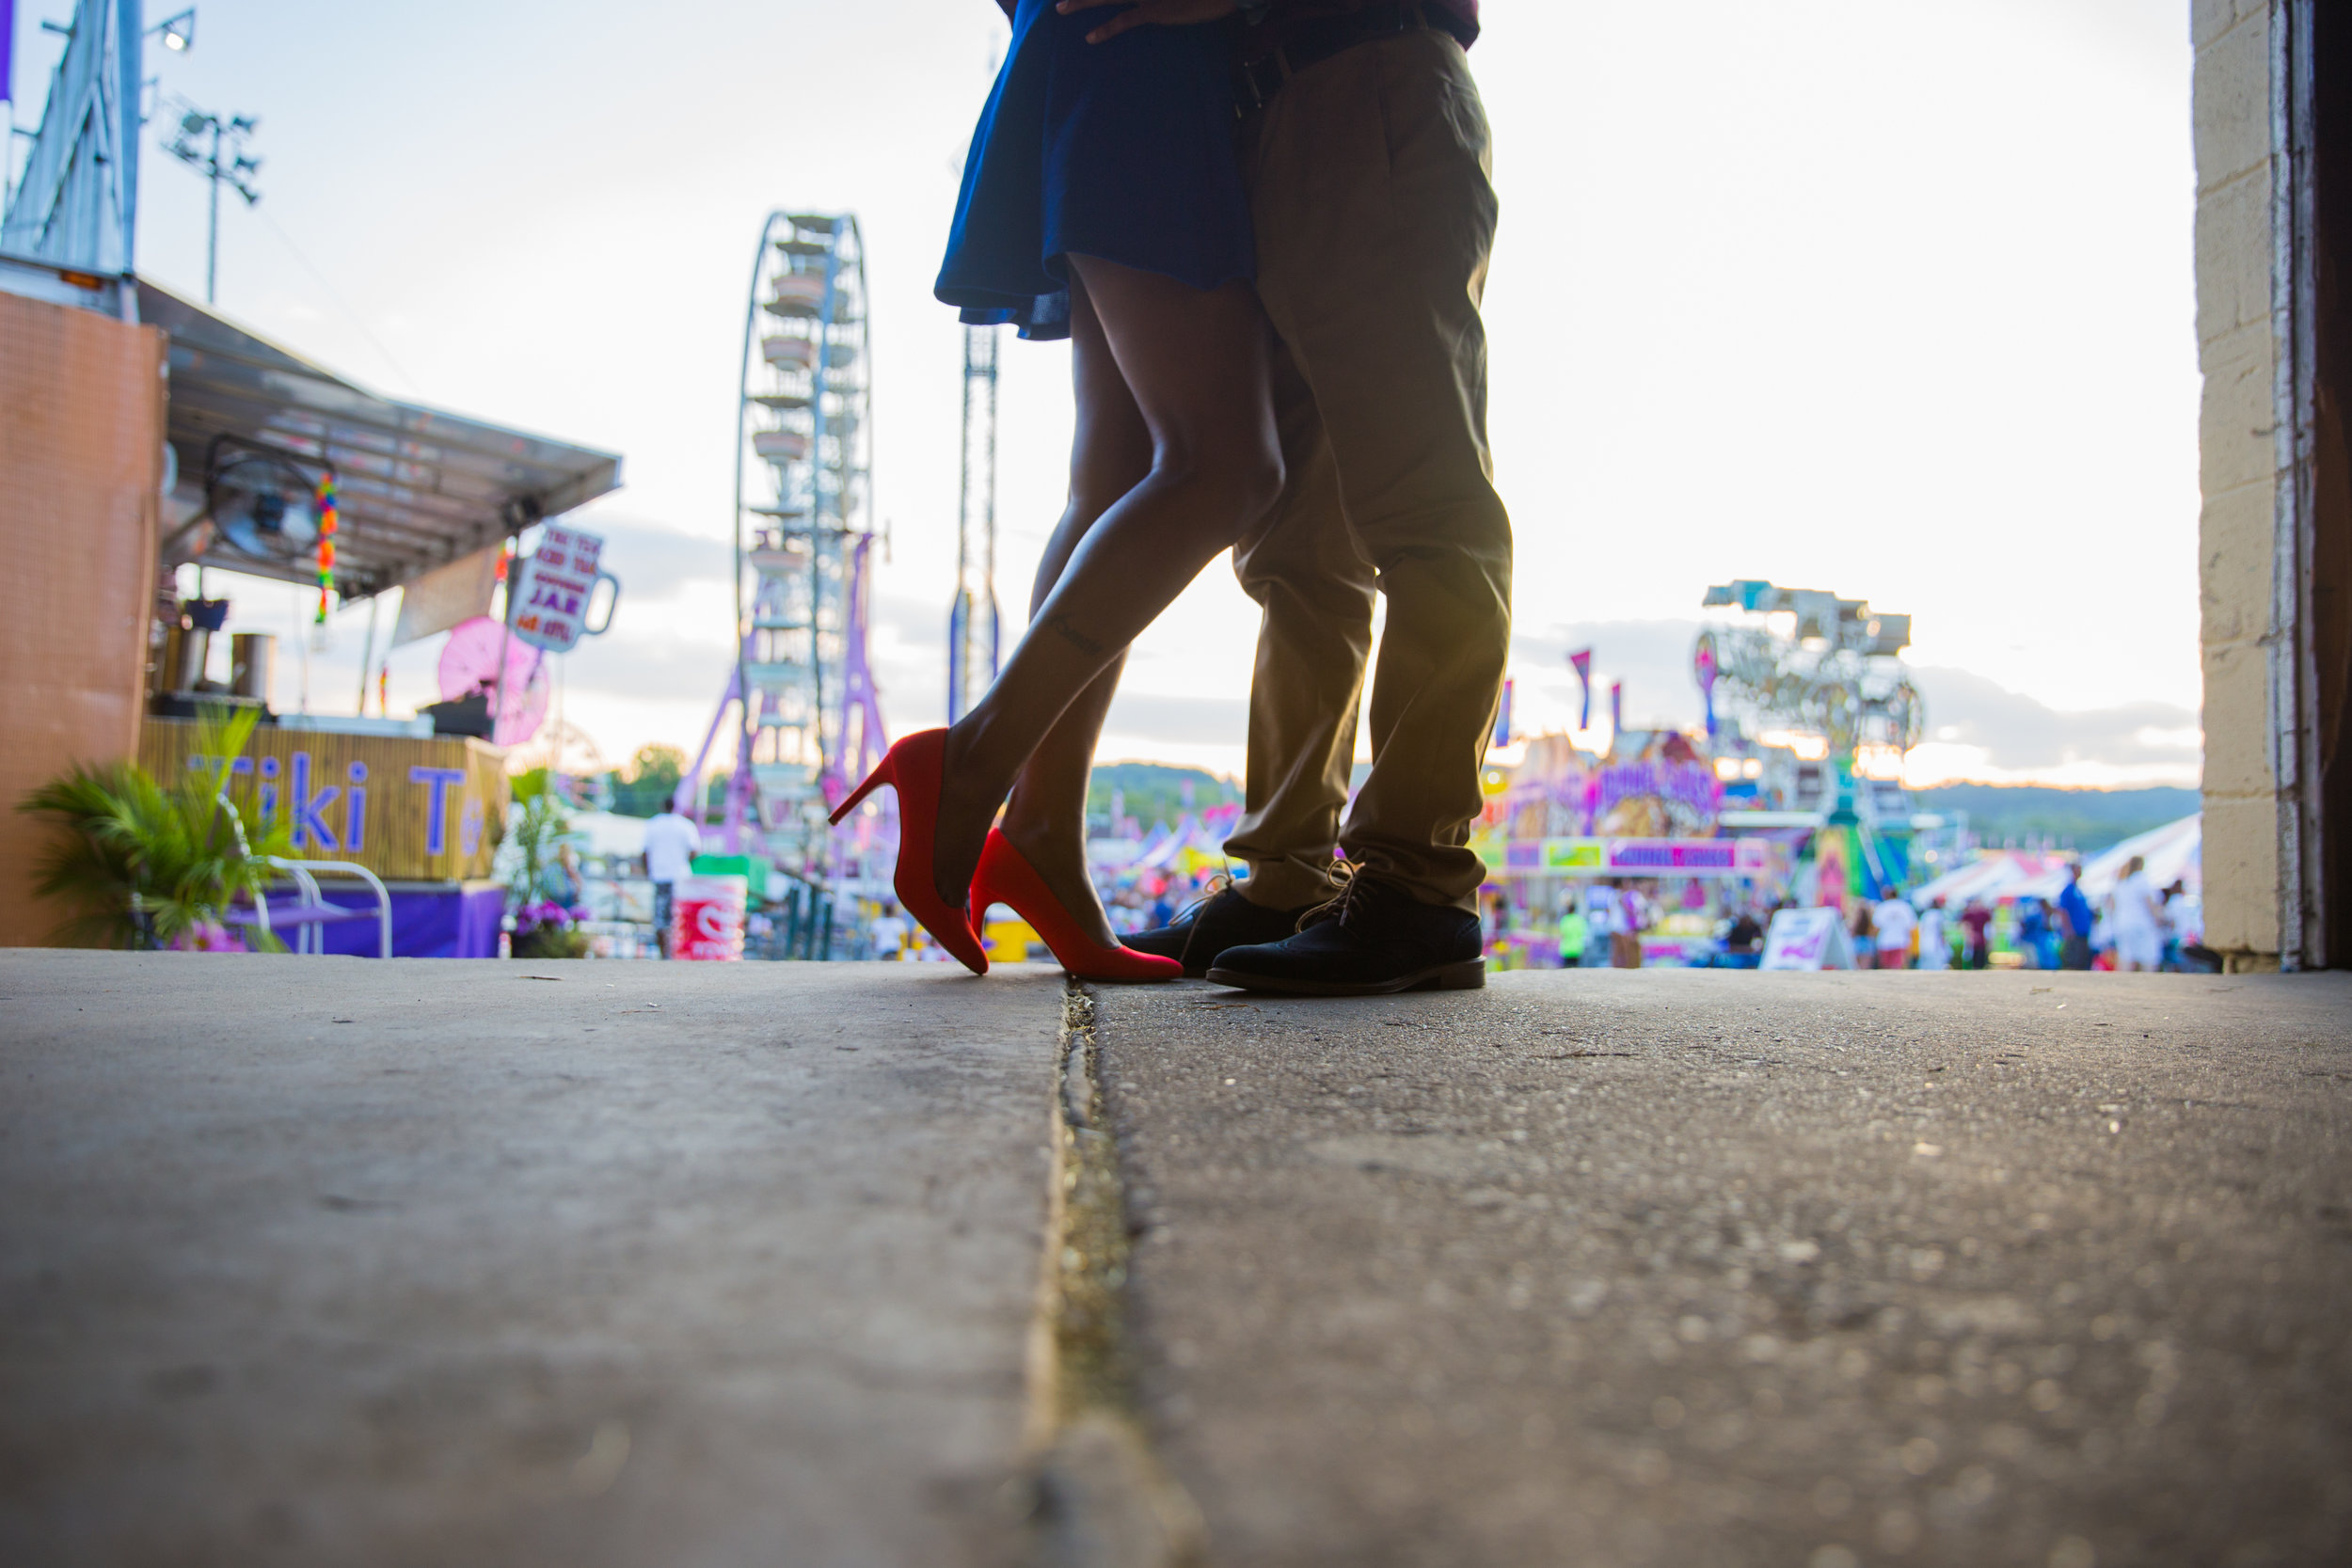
1197, 365
1110, 455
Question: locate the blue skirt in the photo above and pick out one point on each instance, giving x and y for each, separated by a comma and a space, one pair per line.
1122, 150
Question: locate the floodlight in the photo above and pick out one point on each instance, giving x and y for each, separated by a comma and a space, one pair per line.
179, 31
195, 122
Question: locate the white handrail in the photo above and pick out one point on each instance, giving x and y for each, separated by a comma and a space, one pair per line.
314, 936
301, 869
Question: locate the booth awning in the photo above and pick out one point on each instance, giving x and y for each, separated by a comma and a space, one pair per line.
417, 488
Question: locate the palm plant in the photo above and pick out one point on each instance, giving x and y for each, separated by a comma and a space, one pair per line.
147, 864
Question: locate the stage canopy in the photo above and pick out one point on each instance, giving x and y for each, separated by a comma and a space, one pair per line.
417, 488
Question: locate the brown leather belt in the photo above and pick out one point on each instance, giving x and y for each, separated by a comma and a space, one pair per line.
1259, 78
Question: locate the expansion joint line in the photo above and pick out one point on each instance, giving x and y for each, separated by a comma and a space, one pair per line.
1102, 1496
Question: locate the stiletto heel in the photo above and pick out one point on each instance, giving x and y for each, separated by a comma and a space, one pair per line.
916, 768
1006, 876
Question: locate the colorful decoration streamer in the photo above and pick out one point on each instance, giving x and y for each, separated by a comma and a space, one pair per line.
327, 520
1583, 661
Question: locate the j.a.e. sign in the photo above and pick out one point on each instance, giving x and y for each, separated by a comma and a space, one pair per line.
550, 594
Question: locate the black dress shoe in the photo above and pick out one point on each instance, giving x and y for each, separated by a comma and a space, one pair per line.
1374, 939
1224, 919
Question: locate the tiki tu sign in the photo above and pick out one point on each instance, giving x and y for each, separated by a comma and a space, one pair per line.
549, 601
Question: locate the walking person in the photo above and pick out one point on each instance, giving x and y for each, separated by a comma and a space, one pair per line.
1935, 939
1100, 202
1863, 929
2136, 918
1575, 931
672, 842
1977, 920
2075, 914
1894, 923
1365, 149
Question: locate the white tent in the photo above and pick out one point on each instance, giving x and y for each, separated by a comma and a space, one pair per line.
2175, 852
1994, 876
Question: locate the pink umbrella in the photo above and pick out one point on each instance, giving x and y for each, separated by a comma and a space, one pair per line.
469, 664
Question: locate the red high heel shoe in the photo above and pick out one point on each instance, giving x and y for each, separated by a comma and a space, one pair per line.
1006, 876
914, 767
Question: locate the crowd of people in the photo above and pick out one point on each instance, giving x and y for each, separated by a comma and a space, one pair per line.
2136, 926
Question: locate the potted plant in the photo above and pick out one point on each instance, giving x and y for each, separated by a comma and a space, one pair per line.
144, 865
540, 878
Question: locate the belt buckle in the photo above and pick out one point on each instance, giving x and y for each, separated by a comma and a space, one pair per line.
1261, 79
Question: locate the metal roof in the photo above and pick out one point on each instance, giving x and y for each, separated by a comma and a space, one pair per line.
416, 486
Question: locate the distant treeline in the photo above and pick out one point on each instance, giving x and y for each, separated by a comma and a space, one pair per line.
2085, 819
1153, 793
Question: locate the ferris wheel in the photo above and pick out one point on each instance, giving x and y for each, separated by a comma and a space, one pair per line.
804, 473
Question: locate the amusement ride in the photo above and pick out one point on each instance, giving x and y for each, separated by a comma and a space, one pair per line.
801, 696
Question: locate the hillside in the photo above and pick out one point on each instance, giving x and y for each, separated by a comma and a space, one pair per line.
1156, 792
2085, 819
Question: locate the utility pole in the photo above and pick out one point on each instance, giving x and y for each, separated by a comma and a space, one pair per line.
237, 170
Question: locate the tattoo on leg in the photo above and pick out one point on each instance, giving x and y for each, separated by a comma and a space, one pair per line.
1060, 626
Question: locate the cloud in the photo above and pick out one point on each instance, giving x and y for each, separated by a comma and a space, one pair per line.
656, 562
2016, 733
1187, 722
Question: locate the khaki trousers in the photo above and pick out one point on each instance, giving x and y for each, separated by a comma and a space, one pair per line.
1376, 216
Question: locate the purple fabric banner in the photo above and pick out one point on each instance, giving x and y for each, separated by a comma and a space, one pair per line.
8, 52
438, 922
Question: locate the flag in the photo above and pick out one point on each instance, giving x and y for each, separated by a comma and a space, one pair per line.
1502, 717
1616, 707
7, 58
1582, 660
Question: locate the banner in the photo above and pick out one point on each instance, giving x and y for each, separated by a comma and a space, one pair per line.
1581, 662
447, 595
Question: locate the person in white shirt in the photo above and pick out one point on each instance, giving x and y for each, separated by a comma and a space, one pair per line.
2136, 919
1935, 941
890, 932
1895, 922
671, 843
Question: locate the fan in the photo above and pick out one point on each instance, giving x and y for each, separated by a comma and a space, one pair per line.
469, 666
265, 507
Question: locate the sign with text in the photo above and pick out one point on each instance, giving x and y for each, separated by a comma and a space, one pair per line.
549, 597
1634, 857
407, 808
1807, 939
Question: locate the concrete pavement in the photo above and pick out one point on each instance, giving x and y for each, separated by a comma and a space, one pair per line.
329, 1260
1701, 1268
311, 1260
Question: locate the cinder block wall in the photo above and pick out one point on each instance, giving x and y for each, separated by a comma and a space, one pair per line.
2240, 471
81, 460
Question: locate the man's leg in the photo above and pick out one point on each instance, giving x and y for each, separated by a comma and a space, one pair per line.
1375, 218
1313, 639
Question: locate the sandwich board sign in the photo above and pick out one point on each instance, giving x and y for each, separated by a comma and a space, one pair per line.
1807, 939
550, 594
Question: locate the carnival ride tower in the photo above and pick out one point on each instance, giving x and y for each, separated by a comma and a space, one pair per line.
809, 716
1805, 663
974, 628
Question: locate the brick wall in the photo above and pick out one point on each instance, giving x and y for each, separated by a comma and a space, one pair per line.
81, 456
2239, 469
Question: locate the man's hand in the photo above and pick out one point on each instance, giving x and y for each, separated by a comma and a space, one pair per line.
1149, 13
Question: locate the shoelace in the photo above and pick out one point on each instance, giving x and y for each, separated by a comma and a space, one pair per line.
1345, 878
1189, 916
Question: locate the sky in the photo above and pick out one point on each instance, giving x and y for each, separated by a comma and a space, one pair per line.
1890, 299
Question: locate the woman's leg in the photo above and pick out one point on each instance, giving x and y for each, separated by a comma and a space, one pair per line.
1198, 367
1110, 454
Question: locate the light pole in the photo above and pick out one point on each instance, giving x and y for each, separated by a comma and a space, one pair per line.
237, 170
